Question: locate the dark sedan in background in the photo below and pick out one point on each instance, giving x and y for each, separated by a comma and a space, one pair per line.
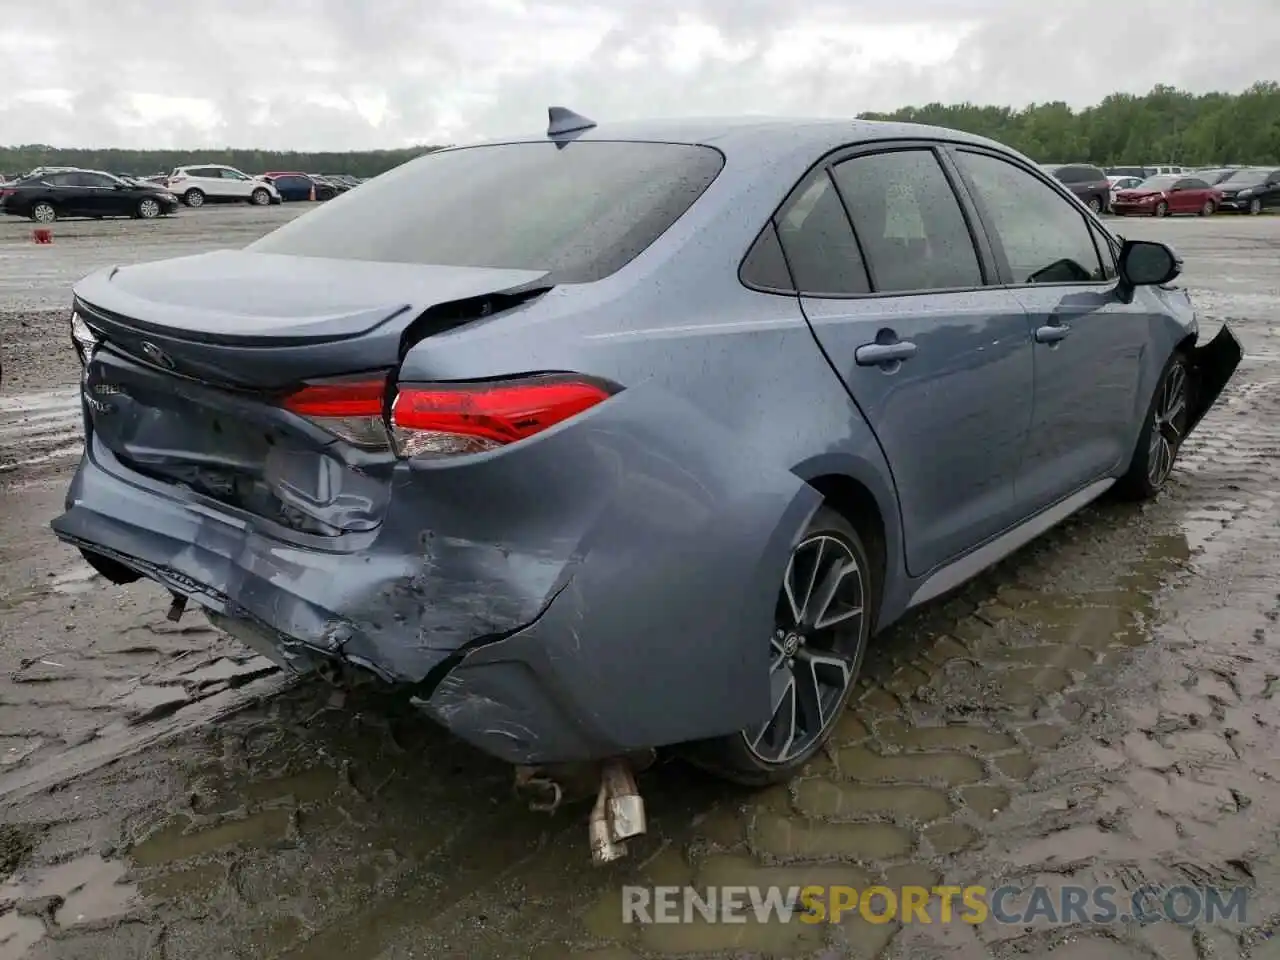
84, 193
299, 186
1251, 190
1086, 181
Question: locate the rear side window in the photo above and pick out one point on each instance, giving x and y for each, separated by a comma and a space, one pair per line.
909, 222
819, 242
581, 210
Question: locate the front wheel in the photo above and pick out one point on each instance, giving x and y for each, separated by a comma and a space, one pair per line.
1095, 204
1163, 430
1255, 206
1209, 209
148, 208
1162, 209
822, 622
260, 198
44, 212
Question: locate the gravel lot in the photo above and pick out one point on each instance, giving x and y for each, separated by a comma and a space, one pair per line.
1099, 710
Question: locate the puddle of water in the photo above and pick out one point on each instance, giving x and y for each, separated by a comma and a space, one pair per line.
89, 889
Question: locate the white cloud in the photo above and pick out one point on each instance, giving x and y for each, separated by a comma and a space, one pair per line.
341, 75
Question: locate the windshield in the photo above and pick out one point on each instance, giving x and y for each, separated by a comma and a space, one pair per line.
579, 211
1245, 177
1159, 183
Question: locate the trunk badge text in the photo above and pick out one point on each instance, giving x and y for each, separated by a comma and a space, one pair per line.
155, 354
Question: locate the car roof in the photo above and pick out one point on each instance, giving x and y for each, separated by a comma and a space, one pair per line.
767, 138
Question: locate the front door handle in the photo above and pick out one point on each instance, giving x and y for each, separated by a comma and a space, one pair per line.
875, 354
1052, 333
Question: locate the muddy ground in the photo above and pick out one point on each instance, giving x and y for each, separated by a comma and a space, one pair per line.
1101, 709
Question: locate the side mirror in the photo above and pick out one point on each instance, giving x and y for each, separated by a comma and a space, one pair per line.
1145, 263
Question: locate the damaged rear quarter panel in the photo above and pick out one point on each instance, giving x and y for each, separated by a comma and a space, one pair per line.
659, 626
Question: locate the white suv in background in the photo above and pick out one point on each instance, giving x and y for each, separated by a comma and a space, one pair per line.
214, 182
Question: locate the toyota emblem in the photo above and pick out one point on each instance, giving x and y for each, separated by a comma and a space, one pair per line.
156, 355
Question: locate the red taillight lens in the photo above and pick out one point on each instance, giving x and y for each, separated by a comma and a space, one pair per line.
350, 408
447, 419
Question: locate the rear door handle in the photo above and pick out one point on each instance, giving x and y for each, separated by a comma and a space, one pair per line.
874, 354
1052, 333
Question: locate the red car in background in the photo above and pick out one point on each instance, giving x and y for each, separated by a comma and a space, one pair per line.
1168, 194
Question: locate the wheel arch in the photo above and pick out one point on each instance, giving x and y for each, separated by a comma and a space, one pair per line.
866, 498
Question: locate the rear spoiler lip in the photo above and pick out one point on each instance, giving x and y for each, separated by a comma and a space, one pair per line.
99, 295
377, 317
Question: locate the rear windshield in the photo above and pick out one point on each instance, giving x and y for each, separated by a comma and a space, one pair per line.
580, 211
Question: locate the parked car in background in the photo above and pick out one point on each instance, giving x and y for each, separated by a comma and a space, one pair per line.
1130, 171
337, 185
1086, 181
1251, 190
1167, 194
1119, 183
369, 470
84, 193
215, 183
1214, 175
294, 186
344, 178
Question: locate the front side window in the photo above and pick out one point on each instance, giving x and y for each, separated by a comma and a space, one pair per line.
579, 211
1045, 238
908, 221
819, 243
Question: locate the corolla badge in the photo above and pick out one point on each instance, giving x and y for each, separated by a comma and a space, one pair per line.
155, 354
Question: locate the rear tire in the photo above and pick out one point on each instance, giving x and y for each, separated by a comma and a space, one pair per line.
1163, 430
1096, 204
815, 656
193, 197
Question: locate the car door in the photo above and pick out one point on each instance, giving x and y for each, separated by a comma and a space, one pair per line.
99, 195
69, 193
1060, 263
938, 363
1188, 195
235, 183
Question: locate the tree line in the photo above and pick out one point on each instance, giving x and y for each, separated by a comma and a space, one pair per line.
1166, 125
144, 163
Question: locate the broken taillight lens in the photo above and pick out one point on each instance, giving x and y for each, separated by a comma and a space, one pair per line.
351, 408
450, 419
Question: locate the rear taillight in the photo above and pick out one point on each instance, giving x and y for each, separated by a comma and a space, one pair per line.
449, 419
351, 408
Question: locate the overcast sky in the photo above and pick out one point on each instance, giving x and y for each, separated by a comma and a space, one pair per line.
344, 74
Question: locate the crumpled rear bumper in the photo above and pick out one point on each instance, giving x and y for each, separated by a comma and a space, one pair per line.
604, 590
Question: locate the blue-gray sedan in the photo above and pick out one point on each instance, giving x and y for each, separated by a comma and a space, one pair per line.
613, 438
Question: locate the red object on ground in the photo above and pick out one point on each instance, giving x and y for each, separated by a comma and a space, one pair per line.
42, 235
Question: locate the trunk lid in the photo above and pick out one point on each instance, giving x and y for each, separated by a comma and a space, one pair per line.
258, 320
195, 356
